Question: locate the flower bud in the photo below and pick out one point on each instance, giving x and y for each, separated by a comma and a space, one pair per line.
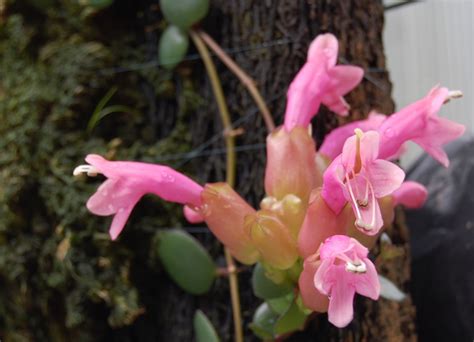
320, 223
272, 239
291, 164
224, 212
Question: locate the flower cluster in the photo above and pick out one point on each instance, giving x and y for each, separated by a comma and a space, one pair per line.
323, 209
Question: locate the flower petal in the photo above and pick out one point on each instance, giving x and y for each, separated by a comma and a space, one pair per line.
341, 301
385, 177
367, 284
410, 194
119, 221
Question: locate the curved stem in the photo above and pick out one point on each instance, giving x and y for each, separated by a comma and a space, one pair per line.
246, 80
230, 171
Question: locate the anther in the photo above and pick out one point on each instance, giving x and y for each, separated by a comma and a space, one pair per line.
356, 267
362, 225
453, 94
89, 169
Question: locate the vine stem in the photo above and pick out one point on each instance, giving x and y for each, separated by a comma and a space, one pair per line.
246, 80
230, 171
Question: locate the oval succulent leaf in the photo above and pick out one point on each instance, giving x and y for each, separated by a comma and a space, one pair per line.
203, 329
184, 13
293, 319
186, 261
263, 322
173, 46
389, 290
265, 288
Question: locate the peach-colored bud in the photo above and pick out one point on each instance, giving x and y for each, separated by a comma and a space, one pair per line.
224, 212
291, 164
312, 298
290, 210
272, 239
320, 223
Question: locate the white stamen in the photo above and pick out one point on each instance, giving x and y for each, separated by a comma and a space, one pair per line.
453, 94
89, 169
356, 267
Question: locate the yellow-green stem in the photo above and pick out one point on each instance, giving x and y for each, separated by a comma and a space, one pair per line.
230, 171
246, 80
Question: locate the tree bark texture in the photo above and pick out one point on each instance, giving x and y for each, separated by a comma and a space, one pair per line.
277, 35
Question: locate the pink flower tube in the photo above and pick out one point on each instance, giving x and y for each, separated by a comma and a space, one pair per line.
359, 177
127, 182
344, 270
320, 81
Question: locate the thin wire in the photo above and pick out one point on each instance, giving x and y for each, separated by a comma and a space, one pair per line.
195, 152
193, 57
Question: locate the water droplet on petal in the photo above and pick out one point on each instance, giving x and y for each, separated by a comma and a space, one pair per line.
389, 133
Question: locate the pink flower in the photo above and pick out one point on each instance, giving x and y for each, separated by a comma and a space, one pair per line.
127, 182
360, 177
334, 141
345, 270
420, 123
410, 194
320, 81
320, 223
311, 298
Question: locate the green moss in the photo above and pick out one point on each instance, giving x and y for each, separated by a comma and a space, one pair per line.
60, 274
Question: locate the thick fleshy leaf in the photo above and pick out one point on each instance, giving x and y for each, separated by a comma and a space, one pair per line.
172, 47
184, 13
203, 329
265, 288
263, 322
280, 305
186, 261
293, 319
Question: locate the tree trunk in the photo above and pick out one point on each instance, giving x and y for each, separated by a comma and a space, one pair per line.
274, 37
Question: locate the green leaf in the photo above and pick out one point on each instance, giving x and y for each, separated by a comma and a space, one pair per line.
265, 288
186, 261
293, 319
173, 46
184, 13
203, 328
280, 305
101, 111
263, 322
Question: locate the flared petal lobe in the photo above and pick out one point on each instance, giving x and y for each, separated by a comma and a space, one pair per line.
411, 195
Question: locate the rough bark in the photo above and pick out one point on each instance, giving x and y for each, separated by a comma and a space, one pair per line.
290, 26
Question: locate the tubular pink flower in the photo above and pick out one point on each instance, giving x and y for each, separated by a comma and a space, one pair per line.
358, 176
320, 223
420, 123
410, 194
312, 298
127, 182
334, 141
320, 81
345, 270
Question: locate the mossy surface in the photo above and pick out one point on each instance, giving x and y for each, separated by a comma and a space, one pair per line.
60, 275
